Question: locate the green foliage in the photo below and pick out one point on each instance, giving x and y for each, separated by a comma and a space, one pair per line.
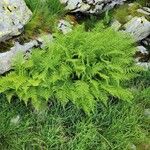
122, 13
81, 67
45, 14
142, 86
107, 19
5, 46
142, 2
115, 127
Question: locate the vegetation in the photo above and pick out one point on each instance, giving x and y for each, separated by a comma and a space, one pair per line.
123, 12
81, 92
143, 2
75, 68
116, 127
45, 15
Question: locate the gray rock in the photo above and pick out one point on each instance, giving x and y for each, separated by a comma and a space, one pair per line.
144, 11
147, 113
14, 14
146, 42
145, 65
7, 57
138, 27
91, 6
15, 120
142, 49
147, 9
133, 147
116, 25
65, 26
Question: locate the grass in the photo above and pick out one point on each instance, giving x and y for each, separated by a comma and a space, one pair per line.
116, 127
6, 46
45, 14
122, 12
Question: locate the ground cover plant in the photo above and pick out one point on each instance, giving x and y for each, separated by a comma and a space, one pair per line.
75, 68
123, 12
115, 127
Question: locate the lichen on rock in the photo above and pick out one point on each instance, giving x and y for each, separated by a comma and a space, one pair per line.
14, 14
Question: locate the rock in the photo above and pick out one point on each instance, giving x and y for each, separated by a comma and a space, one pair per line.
147, 9
147, 113
138, 27
145, 65
142, 49
133, 147
144, 12
116, 25
142, 54
14, 14
15, 120
64, 26
7, 57
146, 42
90, 6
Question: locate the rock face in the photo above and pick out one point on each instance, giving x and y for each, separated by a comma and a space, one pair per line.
90, 6
138, 27
7, 57
14, 14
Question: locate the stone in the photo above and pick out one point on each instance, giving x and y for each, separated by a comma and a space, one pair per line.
142, 49
133, 147
144, 12
64, 26
147, 9
142, 54
116, 25
15, 120
138, 27
146, 42
147, 113
91, 6
7, 57
14, 14
145, 65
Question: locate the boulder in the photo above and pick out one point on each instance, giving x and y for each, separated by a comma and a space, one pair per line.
138, 27
90, 6
14, 14
7, 57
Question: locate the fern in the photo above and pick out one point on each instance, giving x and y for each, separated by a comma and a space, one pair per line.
81, 67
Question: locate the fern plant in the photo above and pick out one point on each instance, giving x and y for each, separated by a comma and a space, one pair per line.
81, 67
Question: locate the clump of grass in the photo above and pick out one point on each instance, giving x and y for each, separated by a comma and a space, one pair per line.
5, 46
45, 14
122, 13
